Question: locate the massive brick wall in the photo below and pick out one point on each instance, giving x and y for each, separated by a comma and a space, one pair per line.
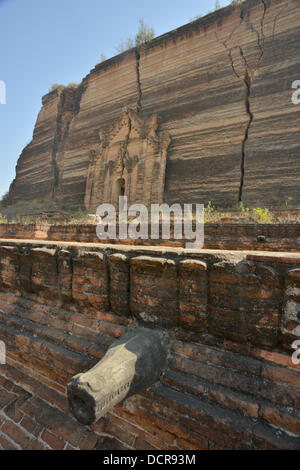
232, 317
221, 87
37, 169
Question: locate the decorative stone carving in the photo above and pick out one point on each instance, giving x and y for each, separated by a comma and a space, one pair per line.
130, 365
132, 151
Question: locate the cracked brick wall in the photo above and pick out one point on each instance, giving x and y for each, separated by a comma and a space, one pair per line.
221, 87
232, 317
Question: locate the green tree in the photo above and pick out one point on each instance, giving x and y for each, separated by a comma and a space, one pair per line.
144, 35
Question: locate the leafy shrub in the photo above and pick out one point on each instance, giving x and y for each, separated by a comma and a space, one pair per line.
56, 86
287, 201
145, 34
211, 214
243, 208
262, 215
3, 219
4, 202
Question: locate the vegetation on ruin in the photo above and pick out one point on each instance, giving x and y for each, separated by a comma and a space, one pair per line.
287, 201
48, 211
144, 35
58, 86
262, 215
72, 85
4, 202
243, 213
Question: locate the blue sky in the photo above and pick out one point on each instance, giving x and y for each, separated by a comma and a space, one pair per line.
59, 41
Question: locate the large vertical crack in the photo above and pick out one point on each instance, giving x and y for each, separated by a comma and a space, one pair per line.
259, 32
125, 145
247, 76
247, 81
262, 34
263, 19
138, 81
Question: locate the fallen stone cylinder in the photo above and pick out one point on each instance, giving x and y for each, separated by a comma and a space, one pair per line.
129, 366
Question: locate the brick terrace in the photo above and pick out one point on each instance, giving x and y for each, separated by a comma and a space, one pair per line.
230, 382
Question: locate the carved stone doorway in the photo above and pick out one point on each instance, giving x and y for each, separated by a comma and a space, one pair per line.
130, 161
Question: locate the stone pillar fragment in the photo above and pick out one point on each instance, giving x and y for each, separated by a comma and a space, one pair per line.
130, 365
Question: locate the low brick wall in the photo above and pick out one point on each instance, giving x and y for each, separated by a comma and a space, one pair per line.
232, 317
221, 236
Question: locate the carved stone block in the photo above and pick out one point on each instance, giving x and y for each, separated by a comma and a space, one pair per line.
130, 365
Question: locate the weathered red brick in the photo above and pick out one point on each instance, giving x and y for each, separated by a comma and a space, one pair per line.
53, 441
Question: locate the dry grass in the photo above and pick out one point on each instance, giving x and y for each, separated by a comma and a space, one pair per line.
44, 211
